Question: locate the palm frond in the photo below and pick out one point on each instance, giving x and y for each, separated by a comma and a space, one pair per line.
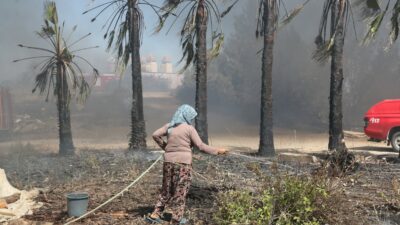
61, 61
34, 57
83, 49
171, 5
79, 85
260, 21
187, 32
113, 21
36, 48
395, 20
324, 50
333, 12
84, 91
41, 80
189, 23
188, 50
50, 12
51, 84
118, 23
324, 22
228, 9
46, 32
291, 15
218, 42
78, 40
369, 8
375, 24
98, 6
375, 15
70, 34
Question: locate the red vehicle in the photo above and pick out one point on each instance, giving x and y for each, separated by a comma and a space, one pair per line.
382, 122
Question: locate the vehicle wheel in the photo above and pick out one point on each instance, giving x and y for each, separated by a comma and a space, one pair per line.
395, 141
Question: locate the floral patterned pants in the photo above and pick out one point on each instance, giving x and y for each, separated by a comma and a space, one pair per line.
177, 178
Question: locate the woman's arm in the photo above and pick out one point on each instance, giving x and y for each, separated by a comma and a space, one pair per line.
159, 134
196, 140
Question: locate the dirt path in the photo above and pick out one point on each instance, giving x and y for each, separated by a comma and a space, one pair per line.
285, 141
104, 124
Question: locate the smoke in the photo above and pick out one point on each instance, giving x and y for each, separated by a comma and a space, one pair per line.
16, 27
21, 20
300, 85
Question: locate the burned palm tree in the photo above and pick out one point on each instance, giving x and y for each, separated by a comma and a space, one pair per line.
330, 43
201, 24
60, 73
267, 24
124, 32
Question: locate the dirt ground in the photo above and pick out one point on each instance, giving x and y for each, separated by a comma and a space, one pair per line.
102, 167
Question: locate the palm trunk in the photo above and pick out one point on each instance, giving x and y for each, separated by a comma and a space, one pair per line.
267, 147
340, 160
138, 129
201, 72
336, 137
66, 145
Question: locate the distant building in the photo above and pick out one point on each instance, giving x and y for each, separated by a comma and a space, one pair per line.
154, 78
105, 79
166, 66
169, 80
150, 65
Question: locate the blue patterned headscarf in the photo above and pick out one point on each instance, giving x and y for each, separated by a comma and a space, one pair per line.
184, 114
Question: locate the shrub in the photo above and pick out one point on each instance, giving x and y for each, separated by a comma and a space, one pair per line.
285, 200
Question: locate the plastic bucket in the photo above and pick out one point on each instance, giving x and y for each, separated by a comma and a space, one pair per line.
77, 203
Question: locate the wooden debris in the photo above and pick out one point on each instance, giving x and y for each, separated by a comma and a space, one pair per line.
119, 214
6, 212
12, 198
27, 222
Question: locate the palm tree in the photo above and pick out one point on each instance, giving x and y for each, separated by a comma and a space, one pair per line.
124, 32
199, 15
335, 14
60, 73
267, 25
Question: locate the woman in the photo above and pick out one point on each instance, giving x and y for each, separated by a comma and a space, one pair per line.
177, 168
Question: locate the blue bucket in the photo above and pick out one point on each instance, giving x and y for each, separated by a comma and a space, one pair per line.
77, 203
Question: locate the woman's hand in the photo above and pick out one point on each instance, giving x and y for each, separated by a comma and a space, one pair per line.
222, 151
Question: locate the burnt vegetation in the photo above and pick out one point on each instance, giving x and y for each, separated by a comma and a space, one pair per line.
268, 71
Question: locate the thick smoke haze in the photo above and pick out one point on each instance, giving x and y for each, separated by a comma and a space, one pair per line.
300, 84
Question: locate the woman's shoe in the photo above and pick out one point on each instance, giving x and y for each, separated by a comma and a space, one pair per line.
153, 220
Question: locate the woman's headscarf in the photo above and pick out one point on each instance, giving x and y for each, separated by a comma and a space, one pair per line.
184, 114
